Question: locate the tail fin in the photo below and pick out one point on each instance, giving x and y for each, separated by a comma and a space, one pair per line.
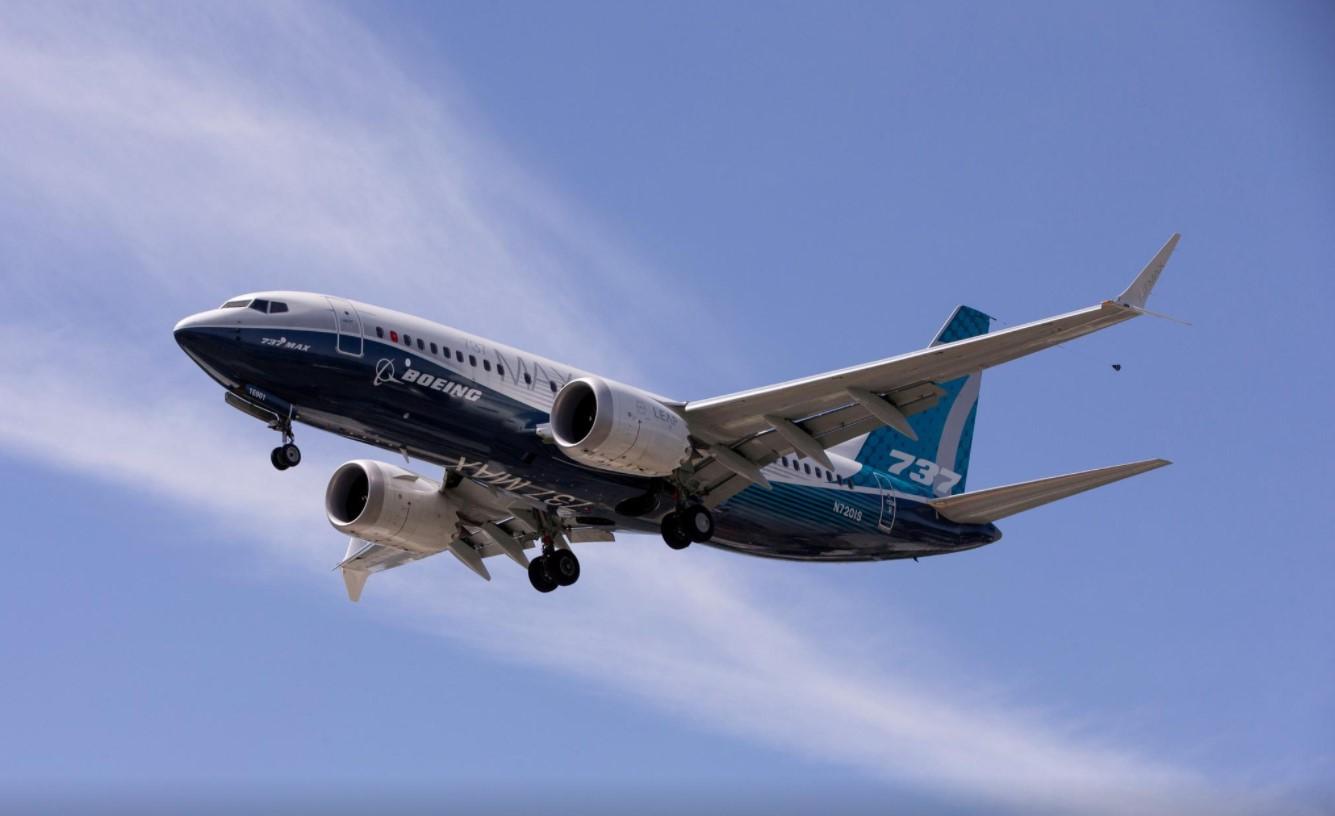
945, 431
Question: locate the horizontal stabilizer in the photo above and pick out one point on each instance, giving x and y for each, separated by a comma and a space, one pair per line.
982, 506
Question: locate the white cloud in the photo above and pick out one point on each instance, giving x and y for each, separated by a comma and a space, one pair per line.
319, 166
276, 141
706, 636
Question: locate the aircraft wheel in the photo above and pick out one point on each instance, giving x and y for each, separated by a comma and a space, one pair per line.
563, 566
290, 454
277, 460
697, 522
538, 576
674, 532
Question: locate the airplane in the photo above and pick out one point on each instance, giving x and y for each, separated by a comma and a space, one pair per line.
866, 463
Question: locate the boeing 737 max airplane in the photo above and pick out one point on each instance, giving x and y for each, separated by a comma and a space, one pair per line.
861, 464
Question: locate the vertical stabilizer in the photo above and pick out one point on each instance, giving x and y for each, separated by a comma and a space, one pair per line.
944, 432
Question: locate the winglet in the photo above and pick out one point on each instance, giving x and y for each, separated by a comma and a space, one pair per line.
1138, 293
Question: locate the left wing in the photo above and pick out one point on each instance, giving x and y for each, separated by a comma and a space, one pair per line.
364, 558
492, 522
739, 433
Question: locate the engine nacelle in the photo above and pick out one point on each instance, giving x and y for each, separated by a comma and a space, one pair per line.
386, 504
613, 427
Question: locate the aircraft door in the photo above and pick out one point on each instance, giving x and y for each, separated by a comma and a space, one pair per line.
348, 323
887, 520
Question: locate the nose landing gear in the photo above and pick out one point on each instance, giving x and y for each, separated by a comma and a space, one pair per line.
286, 455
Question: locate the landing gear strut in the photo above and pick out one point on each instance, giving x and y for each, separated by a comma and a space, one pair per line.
692, 522
554, 568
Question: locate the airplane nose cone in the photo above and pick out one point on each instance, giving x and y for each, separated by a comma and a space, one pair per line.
209, 344
189, 330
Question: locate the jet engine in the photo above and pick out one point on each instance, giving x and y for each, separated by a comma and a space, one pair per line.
613, 427
386, 504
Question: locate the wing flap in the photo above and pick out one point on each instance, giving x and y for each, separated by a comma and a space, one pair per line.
992, 504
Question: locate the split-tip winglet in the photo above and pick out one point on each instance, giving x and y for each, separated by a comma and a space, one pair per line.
1138, 293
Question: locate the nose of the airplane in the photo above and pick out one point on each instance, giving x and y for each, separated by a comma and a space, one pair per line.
209, 343
190, 329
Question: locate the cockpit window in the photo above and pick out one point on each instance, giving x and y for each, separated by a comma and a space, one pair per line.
236, 304
260, 305
277, 307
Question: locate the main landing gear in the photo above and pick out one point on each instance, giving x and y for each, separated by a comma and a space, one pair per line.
692, 522
554, 568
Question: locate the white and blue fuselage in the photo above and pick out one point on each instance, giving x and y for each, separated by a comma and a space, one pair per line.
481, 409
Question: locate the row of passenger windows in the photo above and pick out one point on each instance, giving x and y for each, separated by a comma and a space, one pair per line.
258, 304
444, 351
806, 467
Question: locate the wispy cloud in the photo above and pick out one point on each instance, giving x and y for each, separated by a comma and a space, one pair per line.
205, 158
705, 637
275, 146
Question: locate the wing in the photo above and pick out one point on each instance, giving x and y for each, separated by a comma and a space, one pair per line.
492, 522
739, 433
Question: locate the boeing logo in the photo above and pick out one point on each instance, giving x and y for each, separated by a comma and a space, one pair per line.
385, 373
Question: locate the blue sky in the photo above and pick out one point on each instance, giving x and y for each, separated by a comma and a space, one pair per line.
696, 200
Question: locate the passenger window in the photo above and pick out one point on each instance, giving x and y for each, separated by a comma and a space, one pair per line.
277, 307
459, 355
433, 348
500, 370
486, 364
393, 336
261, 306
379, 332
528, 378
807, 468
407, 341
472, 361
828, 477
553, 385
445, 351
420, 345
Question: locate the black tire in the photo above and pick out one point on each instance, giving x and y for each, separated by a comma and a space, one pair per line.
538, 576
563, 566
698, 523
290, 454
276, 459
673, 532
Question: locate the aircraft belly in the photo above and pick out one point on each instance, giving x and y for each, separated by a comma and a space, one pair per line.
806, 523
